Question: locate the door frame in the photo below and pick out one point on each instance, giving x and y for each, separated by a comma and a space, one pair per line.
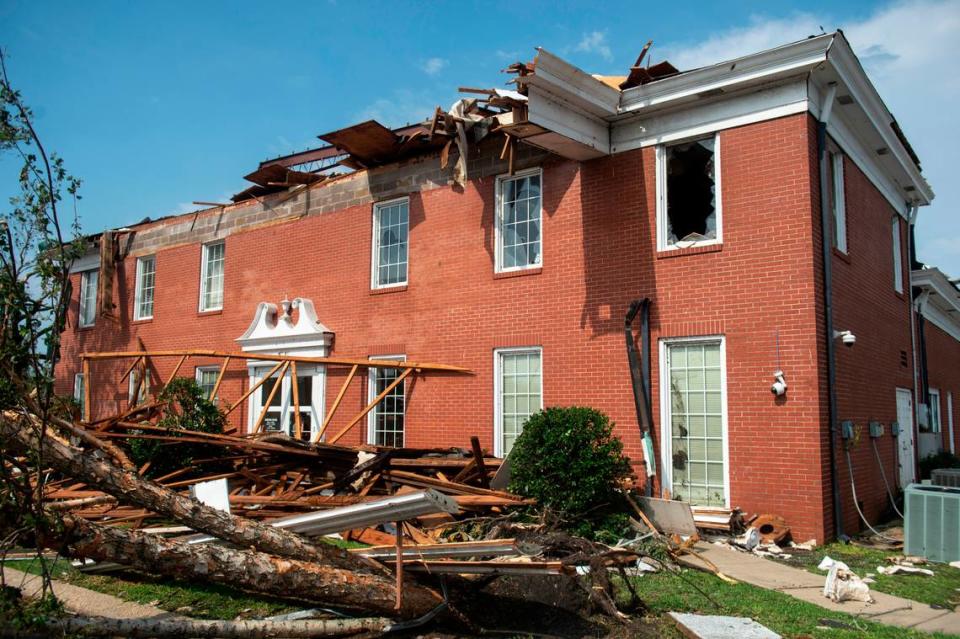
318, 375
911, 430
666, 424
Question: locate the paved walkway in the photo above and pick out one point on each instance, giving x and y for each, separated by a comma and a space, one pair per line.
770, 574
83, 600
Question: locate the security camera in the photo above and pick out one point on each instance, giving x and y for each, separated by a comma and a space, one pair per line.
779, 386
847, 337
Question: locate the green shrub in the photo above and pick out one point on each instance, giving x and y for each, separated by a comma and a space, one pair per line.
943, 459
569, 460
185, 407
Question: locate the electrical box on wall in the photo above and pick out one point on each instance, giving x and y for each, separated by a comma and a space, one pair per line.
876, 429
895, 428
846, 429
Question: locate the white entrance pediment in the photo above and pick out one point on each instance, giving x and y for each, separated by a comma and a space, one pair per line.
274, 330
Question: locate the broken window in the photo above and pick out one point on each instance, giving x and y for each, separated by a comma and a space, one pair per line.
386, 421
689, 203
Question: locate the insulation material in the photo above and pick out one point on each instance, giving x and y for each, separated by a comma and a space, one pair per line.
842, 584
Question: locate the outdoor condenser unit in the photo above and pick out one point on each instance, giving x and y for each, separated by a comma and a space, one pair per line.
946, 477
932, 522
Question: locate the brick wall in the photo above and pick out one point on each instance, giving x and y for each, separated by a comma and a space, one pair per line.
868, 374
599, 253
943, 374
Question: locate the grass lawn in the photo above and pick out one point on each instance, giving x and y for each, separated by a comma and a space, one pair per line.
668, 592
943, 589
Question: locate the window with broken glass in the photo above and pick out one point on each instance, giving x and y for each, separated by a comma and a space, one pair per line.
390, 234
688, 202
696, 418
518, 226
387, 419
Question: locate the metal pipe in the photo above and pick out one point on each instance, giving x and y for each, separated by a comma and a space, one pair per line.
640, 381
827, 251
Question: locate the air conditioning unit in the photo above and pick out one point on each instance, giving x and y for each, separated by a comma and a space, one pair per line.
931, 522
946, 477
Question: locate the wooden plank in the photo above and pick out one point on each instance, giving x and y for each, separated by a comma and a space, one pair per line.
478, 457
130, 368
668, 516
273, 393
176, 369
86, 389
402, 376
295, 391
336, 402
216, 387
255, 387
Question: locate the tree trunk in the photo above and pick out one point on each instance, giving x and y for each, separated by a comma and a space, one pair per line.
178, 628
245, 570
127, 486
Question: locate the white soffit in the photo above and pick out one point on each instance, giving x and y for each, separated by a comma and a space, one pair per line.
86, 262
270, 333
942, 305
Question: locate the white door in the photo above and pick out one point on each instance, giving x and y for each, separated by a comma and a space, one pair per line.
905, 438
279, 417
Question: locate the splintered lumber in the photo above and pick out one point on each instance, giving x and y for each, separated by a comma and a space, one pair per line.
240, 629
158, 499
312, 581
452, 488
488, 548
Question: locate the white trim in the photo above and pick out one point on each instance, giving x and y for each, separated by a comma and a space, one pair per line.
272, 332
498, 221
318, 375
138, 287
897, 255
839, 200
375, 244
197, 370
204, 250
661, 194
571, 84
78, 393
372, 393
497, 388
666, 434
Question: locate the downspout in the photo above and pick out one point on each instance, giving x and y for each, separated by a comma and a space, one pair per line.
914, 310
640, 381
826, 224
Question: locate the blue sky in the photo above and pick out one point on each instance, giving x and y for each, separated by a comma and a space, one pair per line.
155, 105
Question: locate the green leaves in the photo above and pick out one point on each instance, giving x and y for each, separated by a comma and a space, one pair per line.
569, 460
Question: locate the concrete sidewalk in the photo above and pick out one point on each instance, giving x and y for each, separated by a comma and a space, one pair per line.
768, 573
82, 600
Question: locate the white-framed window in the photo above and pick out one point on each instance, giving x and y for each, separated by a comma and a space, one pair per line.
141, 394
897, 257
79, 394
518, 393
88, 297
386, 422
280, 416
143, 292
519, 242
391, 229
935, 423
206, 377
689, 211
693, 401
838, 202
211, 276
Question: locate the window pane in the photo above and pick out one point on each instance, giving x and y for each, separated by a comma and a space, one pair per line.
392, 247
213, 276
519, 222
520, 392
691, 191
389, 414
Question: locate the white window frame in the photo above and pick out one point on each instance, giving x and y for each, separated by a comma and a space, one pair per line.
839, 202
375, 244
950, 422
372, 393
897, 256
79, 393
203, 275
936, 419
663, 221
498, 354
666, 452
317, 407
85, 277
138, 287
498, 222
200, 370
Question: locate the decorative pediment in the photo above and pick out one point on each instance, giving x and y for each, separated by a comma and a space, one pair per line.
274, 330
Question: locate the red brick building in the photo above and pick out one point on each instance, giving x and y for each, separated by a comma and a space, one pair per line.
700, 191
